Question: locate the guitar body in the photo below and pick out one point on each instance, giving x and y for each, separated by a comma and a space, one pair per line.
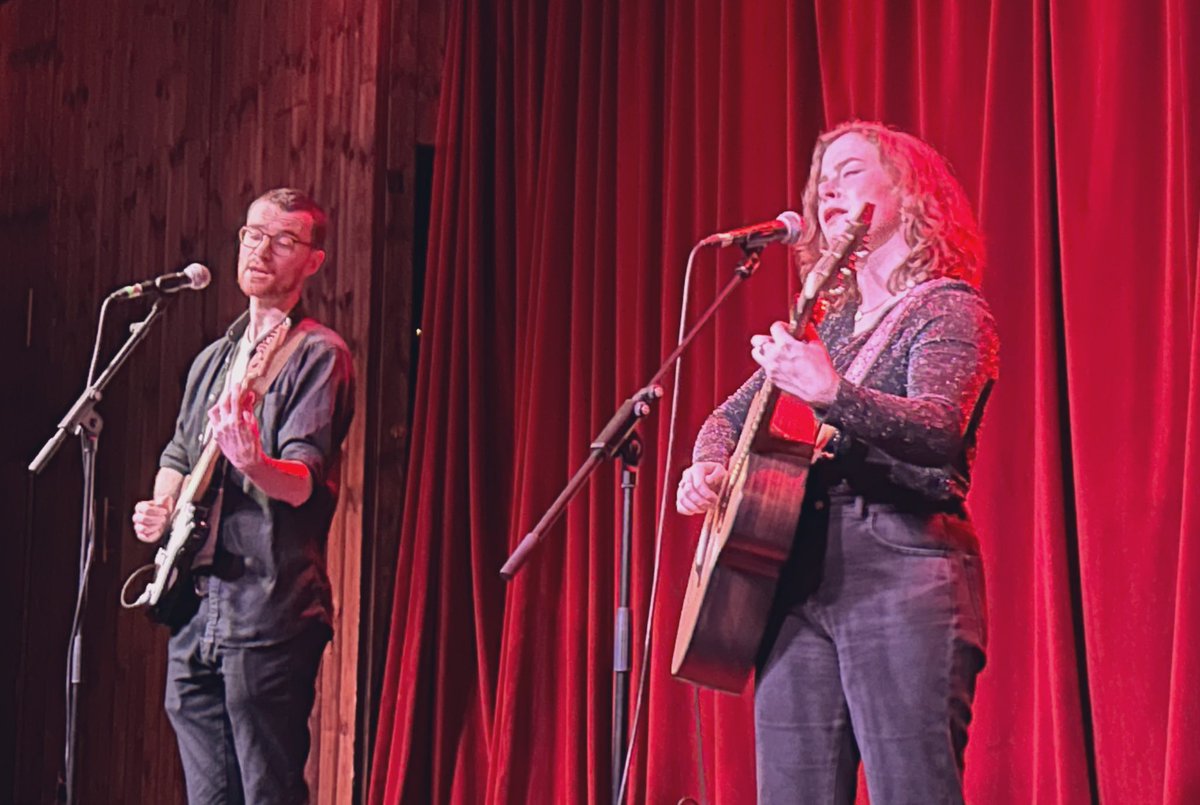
743, 547
748, 534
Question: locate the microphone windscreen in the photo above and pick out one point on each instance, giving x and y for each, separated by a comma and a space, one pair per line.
794, 223
199, 274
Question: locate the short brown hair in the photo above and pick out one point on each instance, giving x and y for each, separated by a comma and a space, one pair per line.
289, 199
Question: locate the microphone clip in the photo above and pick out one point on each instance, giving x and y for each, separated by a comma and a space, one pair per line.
751, 260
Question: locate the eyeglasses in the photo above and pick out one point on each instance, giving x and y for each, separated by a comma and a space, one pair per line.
282, 243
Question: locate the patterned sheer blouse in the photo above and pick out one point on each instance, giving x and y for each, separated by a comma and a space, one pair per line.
911, 425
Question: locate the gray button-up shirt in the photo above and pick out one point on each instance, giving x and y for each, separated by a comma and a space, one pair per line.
269, 578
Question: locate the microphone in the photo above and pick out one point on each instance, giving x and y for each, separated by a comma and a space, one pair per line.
785, 228
195, 276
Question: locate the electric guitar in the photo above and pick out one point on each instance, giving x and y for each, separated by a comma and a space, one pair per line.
170, 596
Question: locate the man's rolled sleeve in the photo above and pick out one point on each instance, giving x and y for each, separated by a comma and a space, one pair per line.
181, 452
174, 455
318, 413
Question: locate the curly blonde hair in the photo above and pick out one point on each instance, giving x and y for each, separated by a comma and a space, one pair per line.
935, 216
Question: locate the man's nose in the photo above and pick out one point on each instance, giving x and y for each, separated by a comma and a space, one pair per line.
263, 248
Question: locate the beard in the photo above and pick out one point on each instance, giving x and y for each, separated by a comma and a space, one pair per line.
268, 284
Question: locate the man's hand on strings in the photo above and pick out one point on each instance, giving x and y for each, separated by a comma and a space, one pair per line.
150, 518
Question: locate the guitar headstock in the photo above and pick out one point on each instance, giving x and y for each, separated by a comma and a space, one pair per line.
838, 262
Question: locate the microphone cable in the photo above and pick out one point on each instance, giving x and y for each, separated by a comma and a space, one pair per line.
658, 541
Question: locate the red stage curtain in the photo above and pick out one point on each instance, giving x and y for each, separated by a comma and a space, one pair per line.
582, 148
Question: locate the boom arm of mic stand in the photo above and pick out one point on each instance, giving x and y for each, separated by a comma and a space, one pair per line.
605, 445
84, 409
609, 440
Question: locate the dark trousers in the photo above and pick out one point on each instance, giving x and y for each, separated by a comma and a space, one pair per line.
872, 656
241, 715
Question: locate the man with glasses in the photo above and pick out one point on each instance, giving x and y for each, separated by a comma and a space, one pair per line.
241, 671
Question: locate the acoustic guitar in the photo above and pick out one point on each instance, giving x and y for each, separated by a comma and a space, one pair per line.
748, 534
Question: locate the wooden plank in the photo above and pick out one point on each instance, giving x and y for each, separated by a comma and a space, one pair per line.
137, 138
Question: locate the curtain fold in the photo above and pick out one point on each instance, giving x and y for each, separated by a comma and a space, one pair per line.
582, 148
439, 687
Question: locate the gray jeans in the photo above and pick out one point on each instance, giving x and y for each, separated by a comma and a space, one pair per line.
873, 653
241, 715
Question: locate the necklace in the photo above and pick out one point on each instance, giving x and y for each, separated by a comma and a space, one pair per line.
862, 313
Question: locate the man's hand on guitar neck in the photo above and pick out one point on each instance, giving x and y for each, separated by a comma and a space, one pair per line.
700, 487
235, 430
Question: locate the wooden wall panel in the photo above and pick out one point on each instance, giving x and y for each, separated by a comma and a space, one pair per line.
295, 104
132, 137
95, 199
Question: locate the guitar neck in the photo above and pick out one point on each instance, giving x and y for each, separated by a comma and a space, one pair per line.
201, 475
826, 273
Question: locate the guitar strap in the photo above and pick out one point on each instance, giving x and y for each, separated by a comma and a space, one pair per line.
882, 335
867, 357
290, 344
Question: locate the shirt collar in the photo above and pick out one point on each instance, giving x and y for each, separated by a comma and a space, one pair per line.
238, 328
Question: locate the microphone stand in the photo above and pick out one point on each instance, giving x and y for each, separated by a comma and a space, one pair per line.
631, 454
618, 438
83, 420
